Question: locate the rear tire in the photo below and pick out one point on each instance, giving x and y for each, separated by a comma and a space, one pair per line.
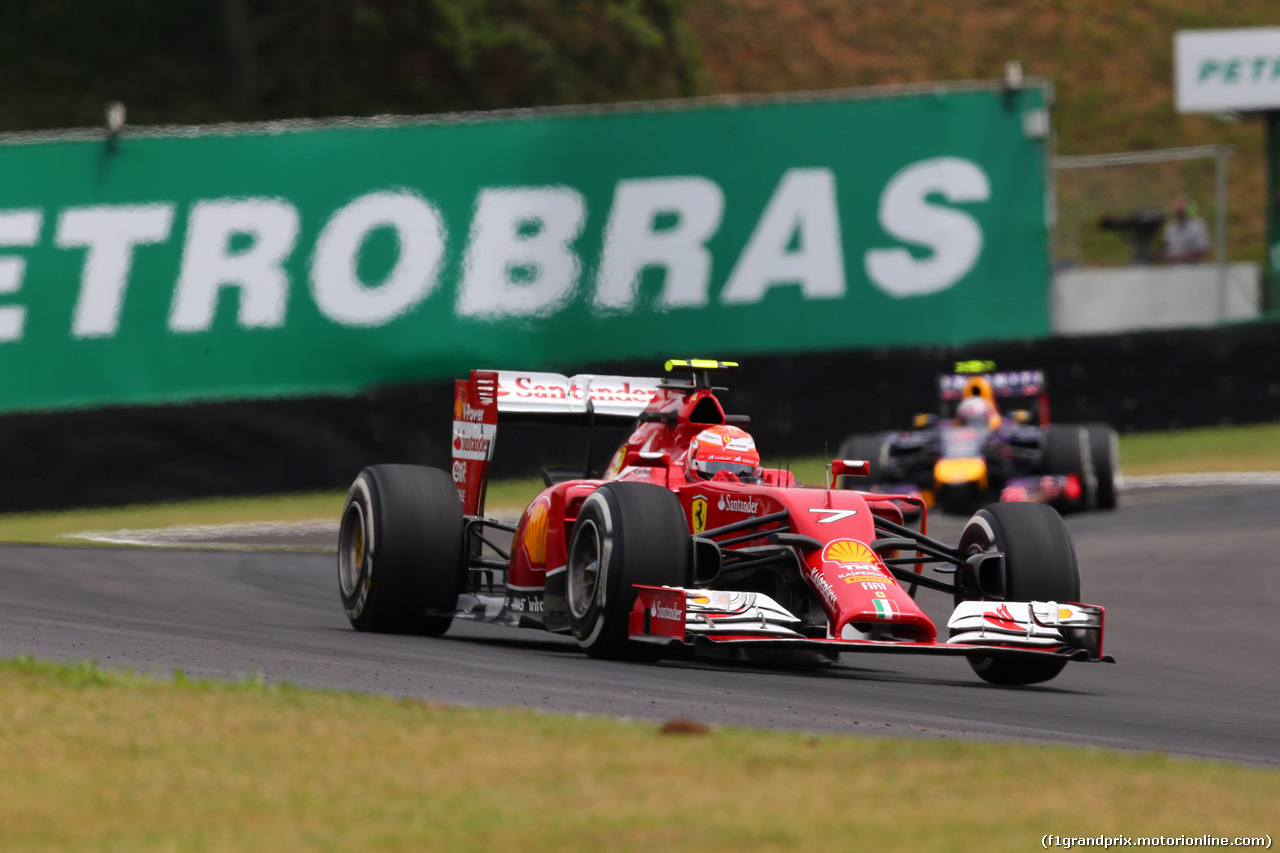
400, 550
625, 534
872, 448
1104, 450
1040, 565
1067, 451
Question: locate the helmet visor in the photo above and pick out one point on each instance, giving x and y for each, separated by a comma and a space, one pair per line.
740, 469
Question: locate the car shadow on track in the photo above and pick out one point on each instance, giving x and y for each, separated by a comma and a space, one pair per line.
820, 669
523, 644
844, 672
564, 647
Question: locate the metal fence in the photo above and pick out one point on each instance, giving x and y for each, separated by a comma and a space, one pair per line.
1111, 208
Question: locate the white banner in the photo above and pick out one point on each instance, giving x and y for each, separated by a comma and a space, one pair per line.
1221, 70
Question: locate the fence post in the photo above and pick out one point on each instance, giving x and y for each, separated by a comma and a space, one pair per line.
1220, 252
1271, 261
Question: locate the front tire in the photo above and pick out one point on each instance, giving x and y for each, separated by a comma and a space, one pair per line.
1040, 565
400, 550
625, 534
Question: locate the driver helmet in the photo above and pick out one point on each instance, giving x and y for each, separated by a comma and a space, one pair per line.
974, 411
723, 448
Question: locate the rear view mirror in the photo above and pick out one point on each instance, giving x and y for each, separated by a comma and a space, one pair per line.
643, 459
854, 467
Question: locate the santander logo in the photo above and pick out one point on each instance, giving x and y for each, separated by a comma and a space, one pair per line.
474, 445
662, 611
748, 505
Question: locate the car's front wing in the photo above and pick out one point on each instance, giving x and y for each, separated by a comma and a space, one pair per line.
702, 618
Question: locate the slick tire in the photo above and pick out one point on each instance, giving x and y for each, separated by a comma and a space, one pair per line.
1104, 450
400, 550
1067, 450
872, 448
625, 534
1040, 565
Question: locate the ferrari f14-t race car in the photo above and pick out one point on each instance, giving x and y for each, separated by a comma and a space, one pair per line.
993, 441
687, 545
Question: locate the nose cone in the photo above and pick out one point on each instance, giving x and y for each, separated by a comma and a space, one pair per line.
954, 472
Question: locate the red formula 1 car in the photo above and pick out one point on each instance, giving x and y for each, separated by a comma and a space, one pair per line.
688, 545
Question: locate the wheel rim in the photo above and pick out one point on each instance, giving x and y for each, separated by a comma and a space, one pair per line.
351, 549
584, 568
977, 548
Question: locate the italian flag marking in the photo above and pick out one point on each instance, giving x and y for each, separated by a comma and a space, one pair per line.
885, 609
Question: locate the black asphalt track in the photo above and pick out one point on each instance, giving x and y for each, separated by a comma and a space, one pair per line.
1190, 579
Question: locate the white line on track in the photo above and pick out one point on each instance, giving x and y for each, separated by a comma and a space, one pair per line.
1212, 478
208, 535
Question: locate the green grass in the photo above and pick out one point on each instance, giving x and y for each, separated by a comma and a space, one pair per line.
512, 495
96, 760
1240, 448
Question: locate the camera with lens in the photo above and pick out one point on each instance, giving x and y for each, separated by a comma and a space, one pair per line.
1141, 227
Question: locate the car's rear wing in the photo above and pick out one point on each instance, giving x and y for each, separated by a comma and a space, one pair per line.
1013, 383
530, 397
995, 385
556, 396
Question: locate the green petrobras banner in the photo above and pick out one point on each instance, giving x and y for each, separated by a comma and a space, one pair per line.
257, 261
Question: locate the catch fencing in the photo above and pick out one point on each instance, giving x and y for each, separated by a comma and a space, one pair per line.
1109, 216
1111, 208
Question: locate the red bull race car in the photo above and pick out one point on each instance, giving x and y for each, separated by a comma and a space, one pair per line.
688, 546
992, 441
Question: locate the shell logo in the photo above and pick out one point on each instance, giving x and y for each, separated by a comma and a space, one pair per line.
535, 533
848, 551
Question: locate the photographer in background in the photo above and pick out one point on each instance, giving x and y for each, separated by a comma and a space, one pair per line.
1186, 237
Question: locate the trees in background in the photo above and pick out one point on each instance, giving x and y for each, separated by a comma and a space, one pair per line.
200, 61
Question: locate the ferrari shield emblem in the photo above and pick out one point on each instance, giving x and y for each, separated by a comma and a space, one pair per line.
698, 513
